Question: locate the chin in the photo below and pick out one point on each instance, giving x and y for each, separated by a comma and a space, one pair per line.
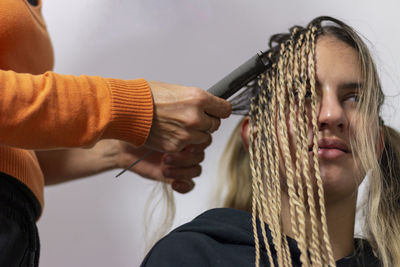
339, 184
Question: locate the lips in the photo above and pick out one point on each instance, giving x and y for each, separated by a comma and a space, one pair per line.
331, 148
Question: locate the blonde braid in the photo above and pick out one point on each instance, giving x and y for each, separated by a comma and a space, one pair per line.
265, 209
294, 201
325, 234
292, 114
315, 251
282, 124
268, 113
254, 199
273, 220
276, 163
256, 174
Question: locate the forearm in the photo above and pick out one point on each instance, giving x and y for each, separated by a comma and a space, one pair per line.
65, 165
65, 111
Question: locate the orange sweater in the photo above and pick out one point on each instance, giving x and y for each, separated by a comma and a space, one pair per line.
43, 110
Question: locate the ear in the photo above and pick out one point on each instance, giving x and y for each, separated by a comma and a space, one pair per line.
245, 132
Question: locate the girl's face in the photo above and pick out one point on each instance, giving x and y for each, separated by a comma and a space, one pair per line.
338, 81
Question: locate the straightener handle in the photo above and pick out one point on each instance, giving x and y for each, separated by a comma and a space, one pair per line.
239, 78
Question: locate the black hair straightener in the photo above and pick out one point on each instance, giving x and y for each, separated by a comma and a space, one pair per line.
230, 84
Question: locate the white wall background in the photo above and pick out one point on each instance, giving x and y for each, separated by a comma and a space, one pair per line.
98, 221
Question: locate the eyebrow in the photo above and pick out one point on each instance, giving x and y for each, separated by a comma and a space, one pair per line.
346, 85
351, 86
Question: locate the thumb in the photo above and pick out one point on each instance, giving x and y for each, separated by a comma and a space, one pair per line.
217, 107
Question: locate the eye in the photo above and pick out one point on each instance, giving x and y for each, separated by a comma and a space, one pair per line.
354, 97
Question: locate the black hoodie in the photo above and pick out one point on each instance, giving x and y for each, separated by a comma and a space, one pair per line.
224, 237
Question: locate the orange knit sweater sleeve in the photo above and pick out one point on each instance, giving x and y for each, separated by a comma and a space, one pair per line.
52, 110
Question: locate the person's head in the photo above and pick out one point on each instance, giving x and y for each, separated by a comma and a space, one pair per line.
312, 133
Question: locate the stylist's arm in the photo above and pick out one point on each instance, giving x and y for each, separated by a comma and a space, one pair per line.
183, 120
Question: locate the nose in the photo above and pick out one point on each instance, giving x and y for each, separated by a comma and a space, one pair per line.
331, 113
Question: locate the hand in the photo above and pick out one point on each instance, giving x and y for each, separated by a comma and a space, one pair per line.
178, 168
183, 116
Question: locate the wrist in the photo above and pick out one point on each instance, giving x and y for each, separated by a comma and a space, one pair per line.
107, 154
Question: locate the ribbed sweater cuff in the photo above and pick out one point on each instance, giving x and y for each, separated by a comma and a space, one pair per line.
131, 111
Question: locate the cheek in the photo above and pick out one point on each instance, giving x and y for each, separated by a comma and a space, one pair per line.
354, 123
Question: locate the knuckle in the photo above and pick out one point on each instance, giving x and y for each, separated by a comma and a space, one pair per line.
195, 92
174, 147
193, 121
199, 96
185, 139
180, 139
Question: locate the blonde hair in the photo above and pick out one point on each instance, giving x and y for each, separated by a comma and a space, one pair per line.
253, 178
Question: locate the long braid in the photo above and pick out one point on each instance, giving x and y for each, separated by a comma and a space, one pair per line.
294, 201
275, 156
315, 246
325, 234
266, 209
271, 207
255, 195
282, 124
298, 180
256, 205
284, 94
